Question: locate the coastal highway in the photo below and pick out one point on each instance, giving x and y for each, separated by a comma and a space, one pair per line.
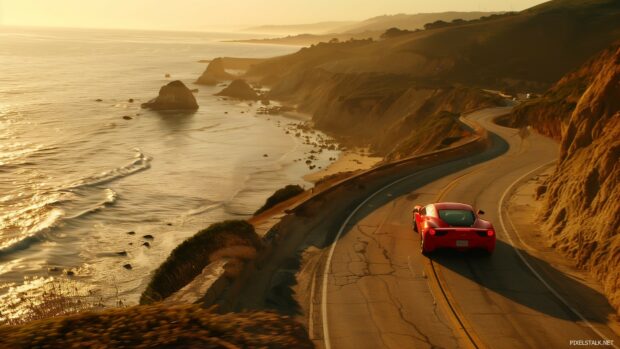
376, 290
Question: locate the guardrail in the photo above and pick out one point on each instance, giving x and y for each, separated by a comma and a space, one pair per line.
479, 139
478, 142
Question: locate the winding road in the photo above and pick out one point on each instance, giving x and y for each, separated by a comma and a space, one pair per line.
376, 290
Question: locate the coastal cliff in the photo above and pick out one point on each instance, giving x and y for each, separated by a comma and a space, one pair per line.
214, 73
581, 211
395, 115
391, 114
582, 205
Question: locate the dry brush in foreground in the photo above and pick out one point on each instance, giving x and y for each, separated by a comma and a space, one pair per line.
158, 326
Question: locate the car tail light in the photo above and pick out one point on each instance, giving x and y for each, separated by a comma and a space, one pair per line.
490, 232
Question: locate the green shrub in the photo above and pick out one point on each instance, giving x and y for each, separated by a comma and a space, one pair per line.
279, 196
188, 259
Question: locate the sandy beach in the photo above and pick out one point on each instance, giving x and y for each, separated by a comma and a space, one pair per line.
348, 161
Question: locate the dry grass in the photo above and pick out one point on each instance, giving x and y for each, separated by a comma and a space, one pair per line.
158, 326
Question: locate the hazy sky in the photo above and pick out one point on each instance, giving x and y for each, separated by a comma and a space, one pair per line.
223, 14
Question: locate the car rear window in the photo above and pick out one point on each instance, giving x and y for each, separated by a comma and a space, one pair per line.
459, 218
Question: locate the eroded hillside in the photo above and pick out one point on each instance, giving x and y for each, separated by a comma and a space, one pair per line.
582, 204
582, 211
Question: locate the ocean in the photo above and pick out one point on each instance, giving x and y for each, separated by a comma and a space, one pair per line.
80, 186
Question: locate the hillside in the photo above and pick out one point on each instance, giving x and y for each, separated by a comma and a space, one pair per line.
551, 113
388, 113
528, 50
585, 106
355, 88
306, 35
407, 21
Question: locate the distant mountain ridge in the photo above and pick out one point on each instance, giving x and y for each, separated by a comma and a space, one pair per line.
374, 25
408, 21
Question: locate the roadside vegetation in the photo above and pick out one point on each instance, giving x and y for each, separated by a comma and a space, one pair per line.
158, 326
279, 196
188, 259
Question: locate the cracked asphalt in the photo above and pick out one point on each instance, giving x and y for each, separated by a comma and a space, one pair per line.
378, 296
378, 292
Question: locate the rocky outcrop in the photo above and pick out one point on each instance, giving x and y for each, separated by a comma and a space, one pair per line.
239, 89
582, 203
173, 96
214, 73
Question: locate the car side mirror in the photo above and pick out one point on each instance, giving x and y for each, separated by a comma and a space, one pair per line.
480, 212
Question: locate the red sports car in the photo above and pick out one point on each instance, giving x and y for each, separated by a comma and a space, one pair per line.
452, 225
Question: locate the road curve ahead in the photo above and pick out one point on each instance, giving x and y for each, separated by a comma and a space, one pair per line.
378, 291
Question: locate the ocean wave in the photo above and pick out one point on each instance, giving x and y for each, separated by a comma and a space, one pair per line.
27, 216
140, 163
11, 152
35, 234
110, 198
29, 220
33, 223
202, 209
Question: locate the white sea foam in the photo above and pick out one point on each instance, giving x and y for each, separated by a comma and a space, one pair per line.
141, 162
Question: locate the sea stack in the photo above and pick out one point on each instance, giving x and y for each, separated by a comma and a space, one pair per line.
214, 73
239, 89
173, 96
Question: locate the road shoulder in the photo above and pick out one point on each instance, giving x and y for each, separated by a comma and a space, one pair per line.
523, 209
